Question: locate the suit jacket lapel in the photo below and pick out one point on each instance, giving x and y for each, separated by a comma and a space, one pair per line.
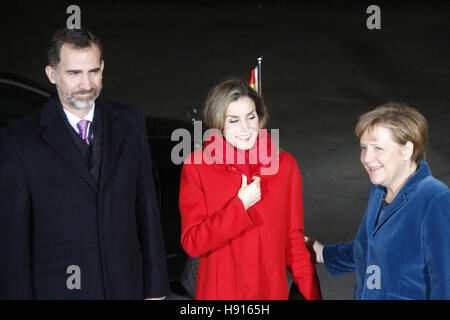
423, 171
113, 135
374, 207
56, 135
393, 208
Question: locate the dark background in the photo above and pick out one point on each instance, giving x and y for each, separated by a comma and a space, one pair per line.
322, 68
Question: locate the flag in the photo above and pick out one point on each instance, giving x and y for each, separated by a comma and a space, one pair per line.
254, 79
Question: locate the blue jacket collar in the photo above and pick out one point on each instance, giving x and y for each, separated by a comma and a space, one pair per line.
422, 172
400, 200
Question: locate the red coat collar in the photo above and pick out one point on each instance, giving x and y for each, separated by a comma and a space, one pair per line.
218, 152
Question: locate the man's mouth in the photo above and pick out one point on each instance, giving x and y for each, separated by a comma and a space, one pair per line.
84, 94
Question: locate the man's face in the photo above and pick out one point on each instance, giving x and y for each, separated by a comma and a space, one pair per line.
78, 76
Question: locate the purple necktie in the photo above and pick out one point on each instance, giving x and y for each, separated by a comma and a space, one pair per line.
83, 127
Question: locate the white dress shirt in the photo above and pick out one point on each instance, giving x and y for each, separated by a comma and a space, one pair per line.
73, 120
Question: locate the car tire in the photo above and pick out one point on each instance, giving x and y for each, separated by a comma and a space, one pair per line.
189, 276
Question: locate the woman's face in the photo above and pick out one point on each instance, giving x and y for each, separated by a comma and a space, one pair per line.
241, 124
383, 158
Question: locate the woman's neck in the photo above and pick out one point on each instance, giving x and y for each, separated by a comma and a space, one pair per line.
392, 191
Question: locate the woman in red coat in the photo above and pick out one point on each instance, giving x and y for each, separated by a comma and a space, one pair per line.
241, 205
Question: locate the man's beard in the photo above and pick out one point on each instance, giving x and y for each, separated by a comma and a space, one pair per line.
80, 103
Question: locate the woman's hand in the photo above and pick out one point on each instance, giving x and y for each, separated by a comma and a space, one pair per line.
250, 194
315, 248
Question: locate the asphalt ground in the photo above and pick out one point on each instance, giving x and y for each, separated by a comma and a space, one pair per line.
322, 68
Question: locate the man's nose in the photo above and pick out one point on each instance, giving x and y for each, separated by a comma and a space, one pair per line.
85, 82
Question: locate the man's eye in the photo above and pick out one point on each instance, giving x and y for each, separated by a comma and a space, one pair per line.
378, 148
233, 121
252, 117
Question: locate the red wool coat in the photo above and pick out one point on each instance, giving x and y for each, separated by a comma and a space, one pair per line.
244, 254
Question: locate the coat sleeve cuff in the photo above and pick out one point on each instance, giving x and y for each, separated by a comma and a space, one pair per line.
338, 258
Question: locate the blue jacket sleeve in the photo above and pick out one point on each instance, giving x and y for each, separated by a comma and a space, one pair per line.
436, 242
338, 258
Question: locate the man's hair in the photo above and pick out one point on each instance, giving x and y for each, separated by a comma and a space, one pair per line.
405, 123
226, 92
78, 38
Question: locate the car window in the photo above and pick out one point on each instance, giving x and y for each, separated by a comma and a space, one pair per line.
17, 102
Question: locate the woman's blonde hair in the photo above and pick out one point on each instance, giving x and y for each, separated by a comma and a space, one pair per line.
226, 92
405, 123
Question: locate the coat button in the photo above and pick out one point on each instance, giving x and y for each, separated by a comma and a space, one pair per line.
365, 264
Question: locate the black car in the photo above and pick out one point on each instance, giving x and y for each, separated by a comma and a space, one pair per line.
20, 96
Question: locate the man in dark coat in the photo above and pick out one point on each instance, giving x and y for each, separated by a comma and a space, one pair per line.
78, 212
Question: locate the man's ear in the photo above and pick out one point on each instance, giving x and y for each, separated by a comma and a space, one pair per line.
407, 150
102, 65
51, 74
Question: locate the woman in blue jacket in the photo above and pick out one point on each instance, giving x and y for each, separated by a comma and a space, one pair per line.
402, 247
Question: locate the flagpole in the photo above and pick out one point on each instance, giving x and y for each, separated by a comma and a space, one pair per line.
260, 75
